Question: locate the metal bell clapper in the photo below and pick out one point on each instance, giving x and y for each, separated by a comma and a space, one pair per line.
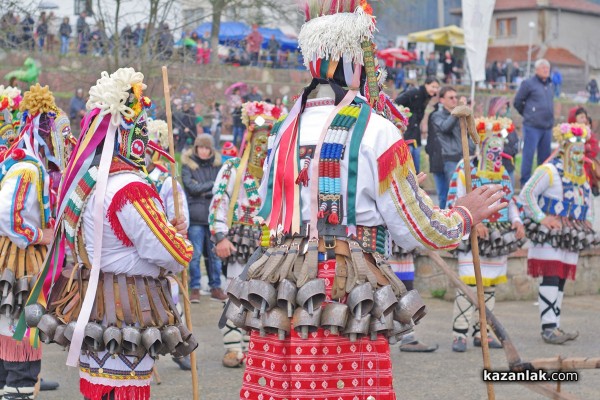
305, 323
360, 300
21, 290
334, 317
186, 347
152, 341
276, 321
94, 333
410, 308
7, 280
253, 322
171, 337
7, 304
312, 295
357, 328
384, 301
381, 325
262, 295
47, 327
112, 338
286, 296
186, 334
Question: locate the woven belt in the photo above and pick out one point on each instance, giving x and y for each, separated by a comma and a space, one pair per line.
563, 208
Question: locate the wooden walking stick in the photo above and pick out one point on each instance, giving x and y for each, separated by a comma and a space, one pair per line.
467, 125
184, 276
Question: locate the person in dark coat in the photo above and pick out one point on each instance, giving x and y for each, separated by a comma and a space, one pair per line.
433, 148
185, 123
416, 100
200, 166
535, 102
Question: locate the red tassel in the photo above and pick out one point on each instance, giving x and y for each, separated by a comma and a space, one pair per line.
392, 161
302, 177
97, 392
14, 351
321, 214
128, 194
333, 219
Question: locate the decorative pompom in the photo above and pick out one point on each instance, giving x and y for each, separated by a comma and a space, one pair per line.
38, 100
18, 154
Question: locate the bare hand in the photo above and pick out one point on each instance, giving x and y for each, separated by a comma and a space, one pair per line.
551, 222
520, 233
421, 177
180, 225
224, 248
482, 231
47, 236
483, 202
462, 101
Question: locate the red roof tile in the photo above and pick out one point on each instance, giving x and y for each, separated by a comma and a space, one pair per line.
572, 5
555, 55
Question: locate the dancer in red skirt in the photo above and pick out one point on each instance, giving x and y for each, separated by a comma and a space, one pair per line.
319, 297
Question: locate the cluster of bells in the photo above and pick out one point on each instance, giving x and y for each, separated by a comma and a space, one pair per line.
501, 241
245, 239
14, 293
128, 340
573, 236
260, 306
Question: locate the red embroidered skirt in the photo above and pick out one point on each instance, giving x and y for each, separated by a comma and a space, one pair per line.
322, 367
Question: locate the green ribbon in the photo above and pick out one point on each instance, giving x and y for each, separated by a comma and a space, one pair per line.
357, 136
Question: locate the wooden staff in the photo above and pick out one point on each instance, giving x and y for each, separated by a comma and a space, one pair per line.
467, 125
184, 276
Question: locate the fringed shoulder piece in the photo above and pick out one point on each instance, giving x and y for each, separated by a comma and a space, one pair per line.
395, 162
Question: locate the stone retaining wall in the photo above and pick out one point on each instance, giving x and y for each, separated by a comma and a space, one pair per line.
430, 280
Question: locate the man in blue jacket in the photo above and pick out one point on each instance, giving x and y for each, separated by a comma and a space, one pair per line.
535, 102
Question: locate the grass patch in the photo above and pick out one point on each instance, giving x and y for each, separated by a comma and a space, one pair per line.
438, 293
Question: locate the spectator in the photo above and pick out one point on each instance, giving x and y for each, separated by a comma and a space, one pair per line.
138, 35
273, 48
200, 166
495, 74
433, 148
217, 121
279, 104
83, 33
592, 88
534, 101
204, 50
53, 24
65, 31
99, 40
448, 67
127, 41
77, 108
416, 100
432, 65
42, 31
557, 81
447, 130
8, 26
253, 43
27, 32
514, 75
400, 81
254, 95
592, 167
235, 108
184, 122
165, 42
500, 108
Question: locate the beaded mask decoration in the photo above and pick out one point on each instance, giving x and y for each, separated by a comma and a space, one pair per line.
572, 139
493, 132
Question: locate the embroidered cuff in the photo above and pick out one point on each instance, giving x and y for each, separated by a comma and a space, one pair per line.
539, 216
38, 236
467, 218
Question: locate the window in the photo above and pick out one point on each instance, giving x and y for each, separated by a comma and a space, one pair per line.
506, 27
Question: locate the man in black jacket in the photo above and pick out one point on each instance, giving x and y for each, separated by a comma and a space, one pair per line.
201, 164
535, 102
447, 130
184, 122
433, 148
416, 100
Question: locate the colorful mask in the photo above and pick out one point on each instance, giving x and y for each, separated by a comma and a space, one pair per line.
134, 139
571, 139
259, 118
493, 133
8, 135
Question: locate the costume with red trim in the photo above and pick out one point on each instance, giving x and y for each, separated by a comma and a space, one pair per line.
338, 182
234, 206
114, 307
28, 158
558, 190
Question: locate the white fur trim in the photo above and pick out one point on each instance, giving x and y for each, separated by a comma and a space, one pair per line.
158, 131
331, 36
